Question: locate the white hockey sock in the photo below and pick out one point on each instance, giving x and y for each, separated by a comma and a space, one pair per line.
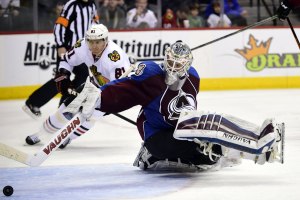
56, 121
85, 127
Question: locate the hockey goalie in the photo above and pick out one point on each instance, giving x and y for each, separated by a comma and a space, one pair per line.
224, 139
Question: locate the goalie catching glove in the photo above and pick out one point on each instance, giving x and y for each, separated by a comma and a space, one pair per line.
63, 82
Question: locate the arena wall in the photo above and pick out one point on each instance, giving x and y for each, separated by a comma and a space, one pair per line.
255, 59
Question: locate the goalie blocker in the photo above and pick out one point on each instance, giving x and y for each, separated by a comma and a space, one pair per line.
260, 144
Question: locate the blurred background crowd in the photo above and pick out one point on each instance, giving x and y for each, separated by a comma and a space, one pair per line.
40, 15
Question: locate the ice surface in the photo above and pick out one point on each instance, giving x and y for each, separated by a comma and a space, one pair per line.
99, 164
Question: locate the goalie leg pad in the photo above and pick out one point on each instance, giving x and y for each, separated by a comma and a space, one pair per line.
225, 130
87, 99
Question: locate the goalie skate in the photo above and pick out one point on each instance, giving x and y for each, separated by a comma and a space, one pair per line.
277, 152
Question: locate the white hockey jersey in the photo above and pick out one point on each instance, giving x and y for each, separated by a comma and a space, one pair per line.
110, 66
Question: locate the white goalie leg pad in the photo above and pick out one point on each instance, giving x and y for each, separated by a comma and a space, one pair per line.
92, 101
233, 157
230, 158
276, 153
225, 130
89, 95
193, 119
271, 142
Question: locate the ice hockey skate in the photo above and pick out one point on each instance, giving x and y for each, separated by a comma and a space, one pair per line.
276, 154
65, 144
33, 111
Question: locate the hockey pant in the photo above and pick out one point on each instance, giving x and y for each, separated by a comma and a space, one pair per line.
162, 145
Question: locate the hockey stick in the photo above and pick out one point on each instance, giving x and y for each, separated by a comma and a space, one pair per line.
130, 69
293, 31
236, 32
220, 38
132, 61
42, 154
125, 118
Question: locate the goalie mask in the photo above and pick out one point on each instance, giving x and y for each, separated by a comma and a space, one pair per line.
177, 61
96, 37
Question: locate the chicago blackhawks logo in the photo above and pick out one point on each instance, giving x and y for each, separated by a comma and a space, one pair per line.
182, 101
100, 78
78, 43
114, 56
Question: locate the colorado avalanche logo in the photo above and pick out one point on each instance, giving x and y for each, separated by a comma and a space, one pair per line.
140, 69
182, 101
114, 56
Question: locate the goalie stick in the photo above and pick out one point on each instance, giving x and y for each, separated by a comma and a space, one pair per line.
293, 31
130, 69
238, 31
282, 147
223, 37
132, 61
43, 153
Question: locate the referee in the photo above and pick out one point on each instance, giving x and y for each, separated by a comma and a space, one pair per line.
70, 26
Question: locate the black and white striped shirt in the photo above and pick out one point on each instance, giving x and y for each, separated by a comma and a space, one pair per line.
74, 21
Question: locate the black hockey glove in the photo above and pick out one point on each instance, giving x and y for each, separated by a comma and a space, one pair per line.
63, 82
283, 10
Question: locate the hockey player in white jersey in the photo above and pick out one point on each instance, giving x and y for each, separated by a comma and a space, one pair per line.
106, 61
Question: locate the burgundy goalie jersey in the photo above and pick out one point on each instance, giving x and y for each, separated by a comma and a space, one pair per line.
146, 87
